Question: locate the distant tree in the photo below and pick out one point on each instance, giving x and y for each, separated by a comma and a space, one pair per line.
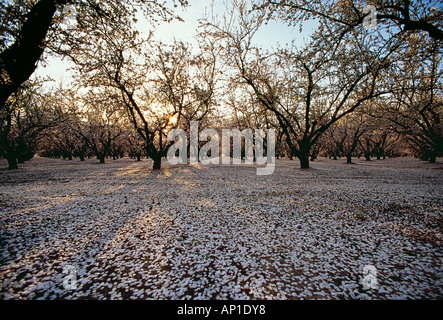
117, 146
26, 115
63, 142
416, 106
348, 134
245, 113
134, 144
97, 122
327, 143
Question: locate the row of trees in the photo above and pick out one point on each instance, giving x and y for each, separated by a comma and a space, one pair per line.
350, 91
102, 132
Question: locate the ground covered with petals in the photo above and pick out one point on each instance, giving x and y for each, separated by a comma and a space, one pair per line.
220, 231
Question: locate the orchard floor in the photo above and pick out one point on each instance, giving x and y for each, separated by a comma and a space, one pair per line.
221, 232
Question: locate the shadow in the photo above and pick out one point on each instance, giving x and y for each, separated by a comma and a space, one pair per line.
62, 216
127, 228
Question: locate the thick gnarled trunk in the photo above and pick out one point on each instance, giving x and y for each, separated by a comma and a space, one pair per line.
157, 163
303, 152
18, 62
304, 160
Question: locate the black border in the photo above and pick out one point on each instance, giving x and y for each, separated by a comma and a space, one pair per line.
274, 309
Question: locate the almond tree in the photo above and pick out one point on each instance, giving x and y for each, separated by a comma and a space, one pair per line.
416, 105
327, 143
30, 28
348, 134
187, 81
156, 85
134, 144
26, 115
417, 28
98, 122
309, 89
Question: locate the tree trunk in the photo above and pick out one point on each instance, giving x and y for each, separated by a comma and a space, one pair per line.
12, 162
303, 153
138, 157
101, 159
19, 61
348, 159
304, 160
367, 157
432, 158
157, 163
314, 156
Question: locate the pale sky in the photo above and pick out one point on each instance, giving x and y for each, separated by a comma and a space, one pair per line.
270, 35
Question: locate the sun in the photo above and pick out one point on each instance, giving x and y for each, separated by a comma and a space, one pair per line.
173, 119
